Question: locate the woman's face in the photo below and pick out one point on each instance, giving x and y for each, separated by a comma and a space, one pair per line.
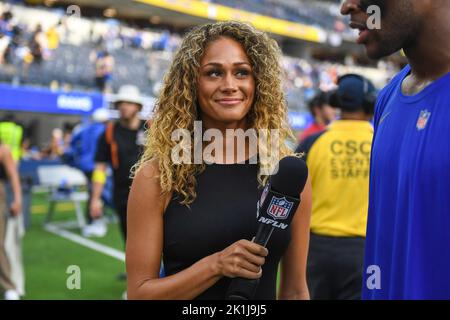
226, 85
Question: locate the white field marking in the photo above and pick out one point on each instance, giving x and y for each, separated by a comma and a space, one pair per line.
72, 224
119, 255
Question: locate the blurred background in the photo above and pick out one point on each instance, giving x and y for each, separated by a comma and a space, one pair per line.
60, 61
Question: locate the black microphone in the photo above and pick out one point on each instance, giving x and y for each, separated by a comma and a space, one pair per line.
276, 208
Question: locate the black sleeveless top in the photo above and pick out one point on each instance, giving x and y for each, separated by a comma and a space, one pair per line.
223, 213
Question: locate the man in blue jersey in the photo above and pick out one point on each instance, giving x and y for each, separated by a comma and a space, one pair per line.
408, 233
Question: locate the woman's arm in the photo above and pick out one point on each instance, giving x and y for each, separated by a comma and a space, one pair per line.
146, 208
293, 265
13, 177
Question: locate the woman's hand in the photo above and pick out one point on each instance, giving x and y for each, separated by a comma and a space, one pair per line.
242, 259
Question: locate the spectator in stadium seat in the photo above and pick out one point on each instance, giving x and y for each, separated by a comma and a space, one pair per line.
8, 172
104, 68
38, 45
4, 43
200, 218
5, 23
323, 115
52, 38
338, 161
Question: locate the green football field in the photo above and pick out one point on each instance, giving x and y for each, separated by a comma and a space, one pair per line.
48, 256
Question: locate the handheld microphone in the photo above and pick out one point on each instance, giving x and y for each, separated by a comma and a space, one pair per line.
276, 208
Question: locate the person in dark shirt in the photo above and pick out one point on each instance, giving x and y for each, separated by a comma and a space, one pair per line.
120, 146
200, 216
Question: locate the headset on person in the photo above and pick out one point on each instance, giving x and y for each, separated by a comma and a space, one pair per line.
369, 98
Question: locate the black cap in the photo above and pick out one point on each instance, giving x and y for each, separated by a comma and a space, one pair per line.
353, 93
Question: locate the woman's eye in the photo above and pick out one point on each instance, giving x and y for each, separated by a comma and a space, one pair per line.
214, 73
218, 73
242, 73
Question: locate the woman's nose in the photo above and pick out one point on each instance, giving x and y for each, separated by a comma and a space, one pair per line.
229, 83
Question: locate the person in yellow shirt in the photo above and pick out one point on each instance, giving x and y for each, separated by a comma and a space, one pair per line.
52, 38
338, 159
11, 134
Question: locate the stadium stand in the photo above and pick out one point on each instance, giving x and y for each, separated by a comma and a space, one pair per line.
323, 14
142, 56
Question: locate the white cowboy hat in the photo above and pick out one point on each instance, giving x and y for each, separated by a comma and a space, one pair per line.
129, 93
101, 115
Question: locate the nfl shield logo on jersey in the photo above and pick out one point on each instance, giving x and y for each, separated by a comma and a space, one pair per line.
279, 208
423, 119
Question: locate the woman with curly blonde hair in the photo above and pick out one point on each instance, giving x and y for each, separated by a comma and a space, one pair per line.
197, 212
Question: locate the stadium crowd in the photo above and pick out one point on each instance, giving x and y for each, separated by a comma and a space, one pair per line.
52, 51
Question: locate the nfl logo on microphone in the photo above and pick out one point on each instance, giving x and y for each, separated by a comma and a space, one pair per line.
279, 208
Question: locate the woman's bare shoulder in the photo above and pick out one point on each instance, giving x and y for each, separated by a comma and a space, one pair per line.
147, 185
148, 169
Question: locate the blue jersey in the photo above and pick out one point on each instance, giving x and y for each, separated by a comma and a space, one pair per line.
83, 146
408, 232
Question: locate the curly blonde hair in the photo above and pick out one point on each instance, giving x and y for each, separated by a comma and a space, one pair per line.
177, 107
